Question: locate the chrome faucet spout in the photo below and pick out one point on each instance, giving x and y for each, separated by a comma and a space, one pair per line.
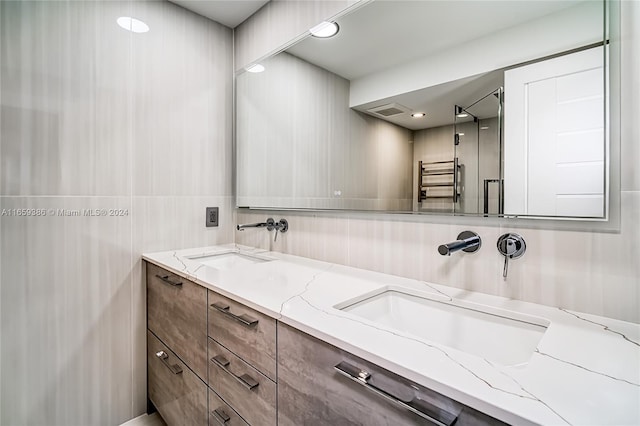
468, 241
253, 225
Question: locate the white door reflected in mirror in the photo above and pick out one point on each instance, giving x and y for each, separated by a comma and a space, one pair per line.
554, 145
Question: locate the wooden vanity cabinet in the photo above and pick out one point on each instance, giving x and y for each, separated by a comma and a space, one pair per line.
212, 360
176, 347
244, 331
178, 394
245, 389
242, 359
319, 384
221, 414
177, 314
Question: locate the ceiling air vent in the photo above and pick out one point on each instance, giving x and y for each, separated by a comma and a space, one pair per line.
389, 110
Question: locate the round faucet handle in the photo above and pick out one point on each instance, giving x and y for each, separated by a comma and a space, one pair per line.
511, 245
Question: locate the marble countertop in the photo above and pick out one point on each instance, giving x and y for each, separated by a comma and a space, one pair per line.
584, 370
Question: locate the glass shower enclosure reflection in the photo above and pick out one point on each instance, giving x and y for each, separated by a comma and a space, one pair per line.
478, 147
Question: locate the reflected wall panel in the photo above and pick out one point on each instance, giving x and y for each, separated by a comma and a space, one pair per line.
299, 145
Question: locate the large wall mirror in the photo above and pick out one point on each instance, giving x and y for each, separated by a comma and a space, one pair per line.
485, 108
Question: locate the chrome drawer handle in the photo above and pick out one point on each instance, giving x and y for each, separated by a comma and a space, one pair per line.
166, 279
245, 380
221, 417
243, 318
162, 356
417, 406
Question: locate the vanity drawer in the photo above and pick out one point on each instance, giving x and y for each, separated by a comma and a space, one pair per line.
244, 331
250, 393
319, 384
177, 314
178, 394
221, 414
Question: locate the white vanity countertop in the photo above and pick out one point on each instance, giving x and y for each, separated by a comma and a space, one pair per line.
585, 369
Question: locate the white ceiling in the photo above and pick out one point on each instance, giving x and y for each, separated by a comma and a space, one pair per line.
227, 12
385, 34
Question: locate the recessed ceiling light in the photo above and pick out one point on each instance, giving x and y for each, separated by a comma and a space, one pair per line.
132, 24
484, 127
460, 134
418, 114
462, 115
325, 29
255, 68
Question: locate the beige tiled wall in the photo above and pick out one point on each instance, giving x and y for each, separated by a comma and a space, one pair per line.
630, 105
596, 272
95, 117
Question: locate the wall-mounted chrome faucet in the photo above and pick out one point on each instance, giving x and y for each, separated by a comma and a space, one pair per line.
468, 241
511, 246
254, 225
282, 225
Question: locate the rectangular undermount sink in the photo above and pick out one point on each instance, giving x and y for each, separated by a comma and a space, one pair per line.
499, 336
228, 259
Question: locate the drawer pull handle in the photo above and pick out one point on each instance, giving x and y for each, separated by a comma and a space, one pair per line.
417, 406
245, 380
221, 417
166, 279
162, 356
243, 318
